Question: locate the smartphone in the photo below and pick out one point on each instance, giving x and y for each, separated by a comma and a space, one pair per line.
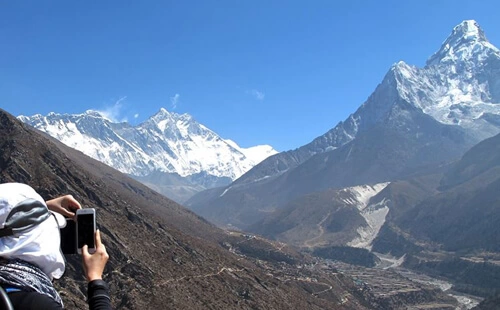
68, 237
85, 229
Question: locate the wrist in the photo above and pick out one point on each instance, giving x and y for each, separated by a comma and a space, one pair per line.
97, 284
93, 277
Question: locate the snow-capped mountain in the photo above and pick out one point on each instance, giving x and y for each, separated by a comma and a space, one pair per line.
460, 85
166, 142
416, 119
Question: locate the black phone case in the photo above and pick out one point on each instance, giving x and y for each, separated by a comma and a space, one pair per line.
68, 237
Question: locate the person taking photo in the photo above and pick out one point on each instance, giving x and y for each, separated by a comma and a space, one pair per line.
30, 254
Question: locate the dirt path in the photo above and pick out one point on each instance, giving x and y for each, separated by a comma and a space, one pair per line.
201, 275
313, 241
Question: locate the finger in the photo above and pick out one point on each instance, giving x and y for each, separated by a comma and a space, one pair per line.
85, 250
73, 203
103, 252
66, 213
98, 242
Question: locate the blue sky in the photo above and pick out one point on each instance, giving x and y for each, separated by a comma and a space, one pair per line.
257, 72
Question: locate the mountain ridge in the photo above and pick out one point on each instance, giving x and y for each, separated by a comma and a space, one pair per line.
457, 104
167, 141
161, 254
170, 152
415, 119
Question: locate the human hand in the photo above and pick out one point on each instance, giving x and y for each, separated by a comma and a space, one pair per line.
65, 205
94, 264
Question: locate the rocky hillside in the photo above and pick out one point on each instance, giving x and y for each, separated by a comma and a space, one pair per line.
463, 216
162, 255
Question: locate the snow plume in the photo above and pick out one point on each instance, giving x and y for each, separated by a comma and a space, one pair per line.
114, 112
257, 94
174, 101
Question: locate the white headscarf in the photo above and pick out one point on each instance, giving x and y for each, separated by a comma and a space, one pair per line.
39, 245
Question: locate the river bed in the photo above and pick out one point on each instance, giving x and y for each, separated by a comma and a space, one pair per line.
389, 262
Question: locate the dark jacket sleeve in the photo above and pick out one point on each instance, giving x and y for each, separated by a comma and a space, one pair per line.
98, 295
32, 300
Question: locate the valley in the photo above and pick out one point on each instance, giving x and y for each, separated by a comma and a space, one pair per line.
394, 285
388, 285
402, 196
396, 207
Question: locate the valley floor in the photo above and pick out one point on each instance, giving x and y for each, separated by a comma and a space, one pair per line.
389, 283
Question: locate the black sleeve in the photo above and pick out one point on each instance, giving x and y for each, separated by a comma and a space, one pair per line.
33, 300
98, 295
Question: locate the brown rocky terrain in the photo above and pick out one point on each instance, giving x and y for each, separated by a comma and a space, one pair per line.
163, 256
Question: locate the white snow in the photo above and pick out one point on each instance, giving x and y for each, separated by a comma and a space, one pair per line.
167, 141
374, 214
162, 125
375, 220
453, 87
260, 179
388, 261
259, 152
225, 191
456, 86
255, 154
471, 28
363, 193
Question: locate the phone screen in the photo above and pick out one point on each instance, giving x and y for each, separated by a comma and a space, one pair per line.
86, 230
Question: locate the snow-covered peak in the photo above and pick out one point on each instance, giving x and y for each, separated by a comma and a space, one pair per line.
255, 153
168, 142
403, 70
467, 30
459, 85
92, 113
466, 42
162, 114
